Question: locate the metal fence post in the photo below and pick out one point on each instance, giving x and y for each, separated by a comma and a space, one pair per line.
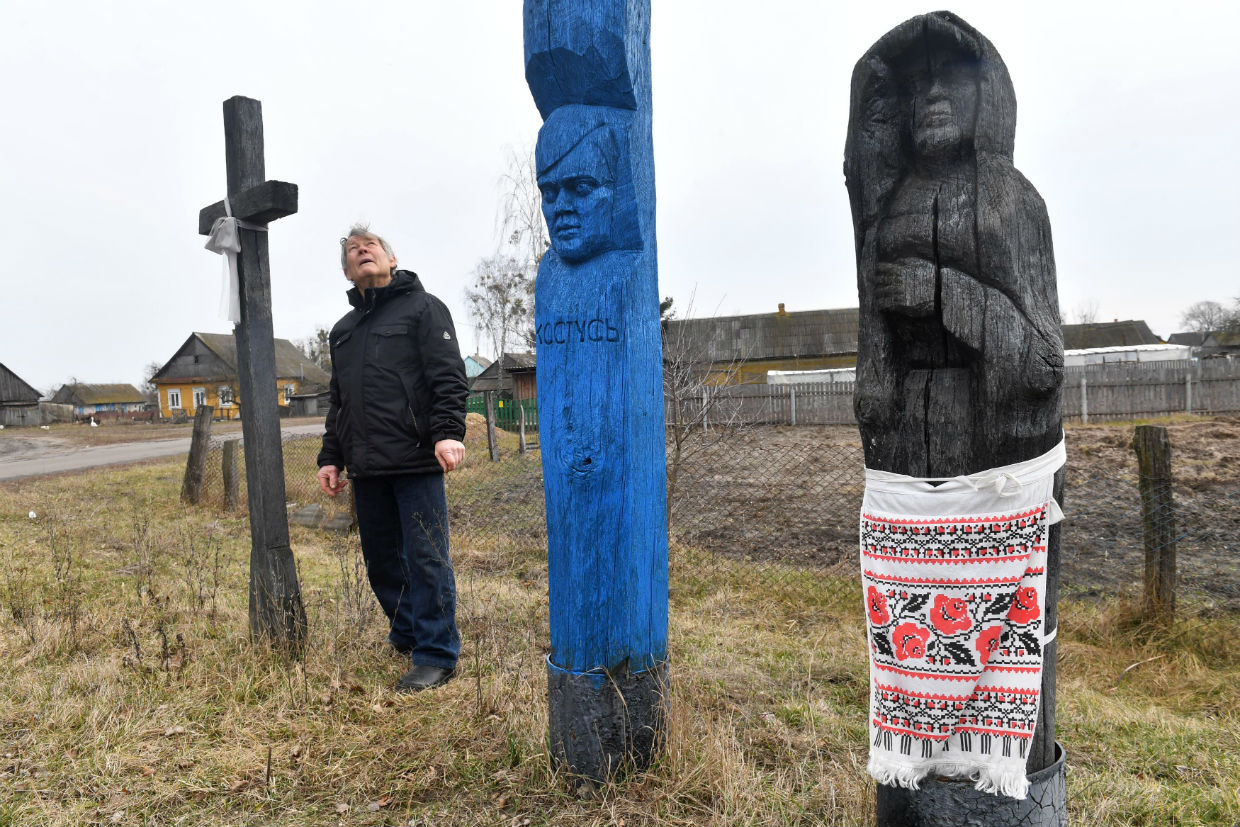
1188, 392
792, 405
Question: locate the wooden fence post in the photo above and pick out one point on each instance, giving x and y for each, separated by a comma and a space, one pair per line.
492, 439
196, 465
792, 405
1153, 449
1084, 401
1188, 392
521, 430
230, 470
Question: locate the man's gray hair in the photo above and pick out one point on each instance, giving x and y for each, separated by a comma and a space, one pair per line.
362, 230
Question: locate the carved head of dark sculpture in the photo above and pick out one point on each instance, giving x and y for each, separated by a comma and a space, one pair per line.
587, 191
931, 89
944, 105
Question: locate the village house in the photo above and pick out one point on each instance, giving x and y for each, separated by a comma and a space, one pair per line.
203, 371
739, 350
107, 401
19, 402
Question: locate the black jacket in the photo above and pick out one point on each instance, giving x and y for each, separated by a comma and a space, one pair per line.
398, 382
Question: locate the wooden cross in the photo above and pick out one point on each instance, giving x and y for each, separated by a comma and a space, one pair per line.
276, 611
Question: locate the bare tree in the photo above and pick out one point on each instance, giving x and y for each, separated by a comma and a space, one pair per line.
1205, 317
317, 348
521, 228
499, 302
149, 389
1085, 313
699, 414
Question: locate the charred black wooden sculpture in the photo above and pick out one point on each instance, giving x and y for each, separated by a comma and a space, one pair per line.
960, 355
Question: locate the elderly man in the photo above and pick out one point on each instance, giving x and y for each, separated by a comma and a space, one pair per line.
396, 422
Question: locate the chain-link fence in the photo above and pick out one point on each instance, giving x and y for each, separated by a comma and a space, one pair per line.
785, 501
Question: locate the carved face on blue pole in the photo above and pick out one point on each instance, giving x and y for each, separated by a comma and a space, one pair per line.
582, 175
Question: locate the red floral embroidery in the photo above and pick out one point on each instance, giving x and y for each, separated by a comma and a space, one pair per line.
909, 640
876, 604
988, 642
1024, 605
950, 614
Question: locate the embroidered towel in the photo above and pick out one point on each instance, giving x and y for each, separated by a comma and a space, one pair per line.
954, 577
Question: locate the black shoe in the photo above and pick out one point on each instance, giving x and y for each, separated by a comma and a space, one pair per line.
424, 677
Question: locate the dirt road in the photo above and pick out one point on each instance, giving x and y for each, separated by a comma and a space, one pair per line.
33, 457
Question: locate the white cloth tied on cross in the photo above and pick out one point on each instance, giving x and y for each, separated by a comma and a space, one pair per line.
225, 239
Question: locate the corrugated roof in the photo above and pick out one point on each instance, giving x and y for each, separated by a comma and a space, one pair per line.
780, 335
1108, 334
98, 394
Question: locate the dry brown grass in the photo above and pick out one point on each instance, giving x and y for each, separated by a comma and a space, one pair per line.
132, 693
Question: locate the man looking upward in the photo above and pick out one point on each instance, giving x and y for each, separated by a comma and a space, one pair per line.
396, 421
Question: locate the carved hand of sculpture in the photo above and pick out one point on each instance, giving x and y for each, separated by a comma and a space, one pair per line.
905, 287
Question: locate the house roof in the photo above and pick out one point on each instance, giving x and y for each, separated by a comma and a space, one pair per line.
1108, 334
14, 390
779, 335
482, 361
512, 362
1222, 338
105, 394
291, 363
1191, 338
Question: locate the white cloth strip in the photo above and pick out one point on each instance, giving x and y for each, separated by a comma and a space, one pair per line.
225, 239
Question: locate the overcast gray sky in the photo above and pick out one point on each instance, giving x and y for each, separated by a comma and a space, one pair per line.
402, 114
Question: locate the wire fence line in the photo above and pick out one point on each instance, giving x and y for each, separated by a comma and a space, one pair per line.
785, 501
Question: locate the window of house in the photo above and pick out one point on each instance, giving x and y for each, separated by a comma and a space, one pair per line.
174, 397
225, 393
289, 390
200, 397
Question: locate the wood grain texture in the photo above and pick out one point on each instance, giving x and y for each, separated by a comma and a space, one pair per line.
276, 610
196, 463
258, 205
960, 352
1153, 449
599, 349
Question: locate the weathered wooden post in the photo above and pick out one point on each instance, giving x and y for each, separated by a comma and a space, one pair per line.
276, 611
600, 382
1153, 450
959, 372
196, 464
230, 471
521, 448
492, 440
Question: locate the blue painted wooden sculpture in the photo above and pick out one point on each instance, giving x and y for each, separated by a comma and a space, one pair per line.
600, 382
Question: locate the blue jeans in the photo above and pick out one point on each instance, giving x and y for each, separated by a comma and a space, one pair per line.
403, 524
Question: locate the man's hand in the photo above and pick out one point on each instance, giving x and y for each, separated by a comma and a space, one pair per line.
330, 480
450, 454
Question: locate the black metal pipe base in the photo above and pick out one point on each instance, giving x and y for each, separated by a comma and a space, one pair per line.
950, 802
603, 724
